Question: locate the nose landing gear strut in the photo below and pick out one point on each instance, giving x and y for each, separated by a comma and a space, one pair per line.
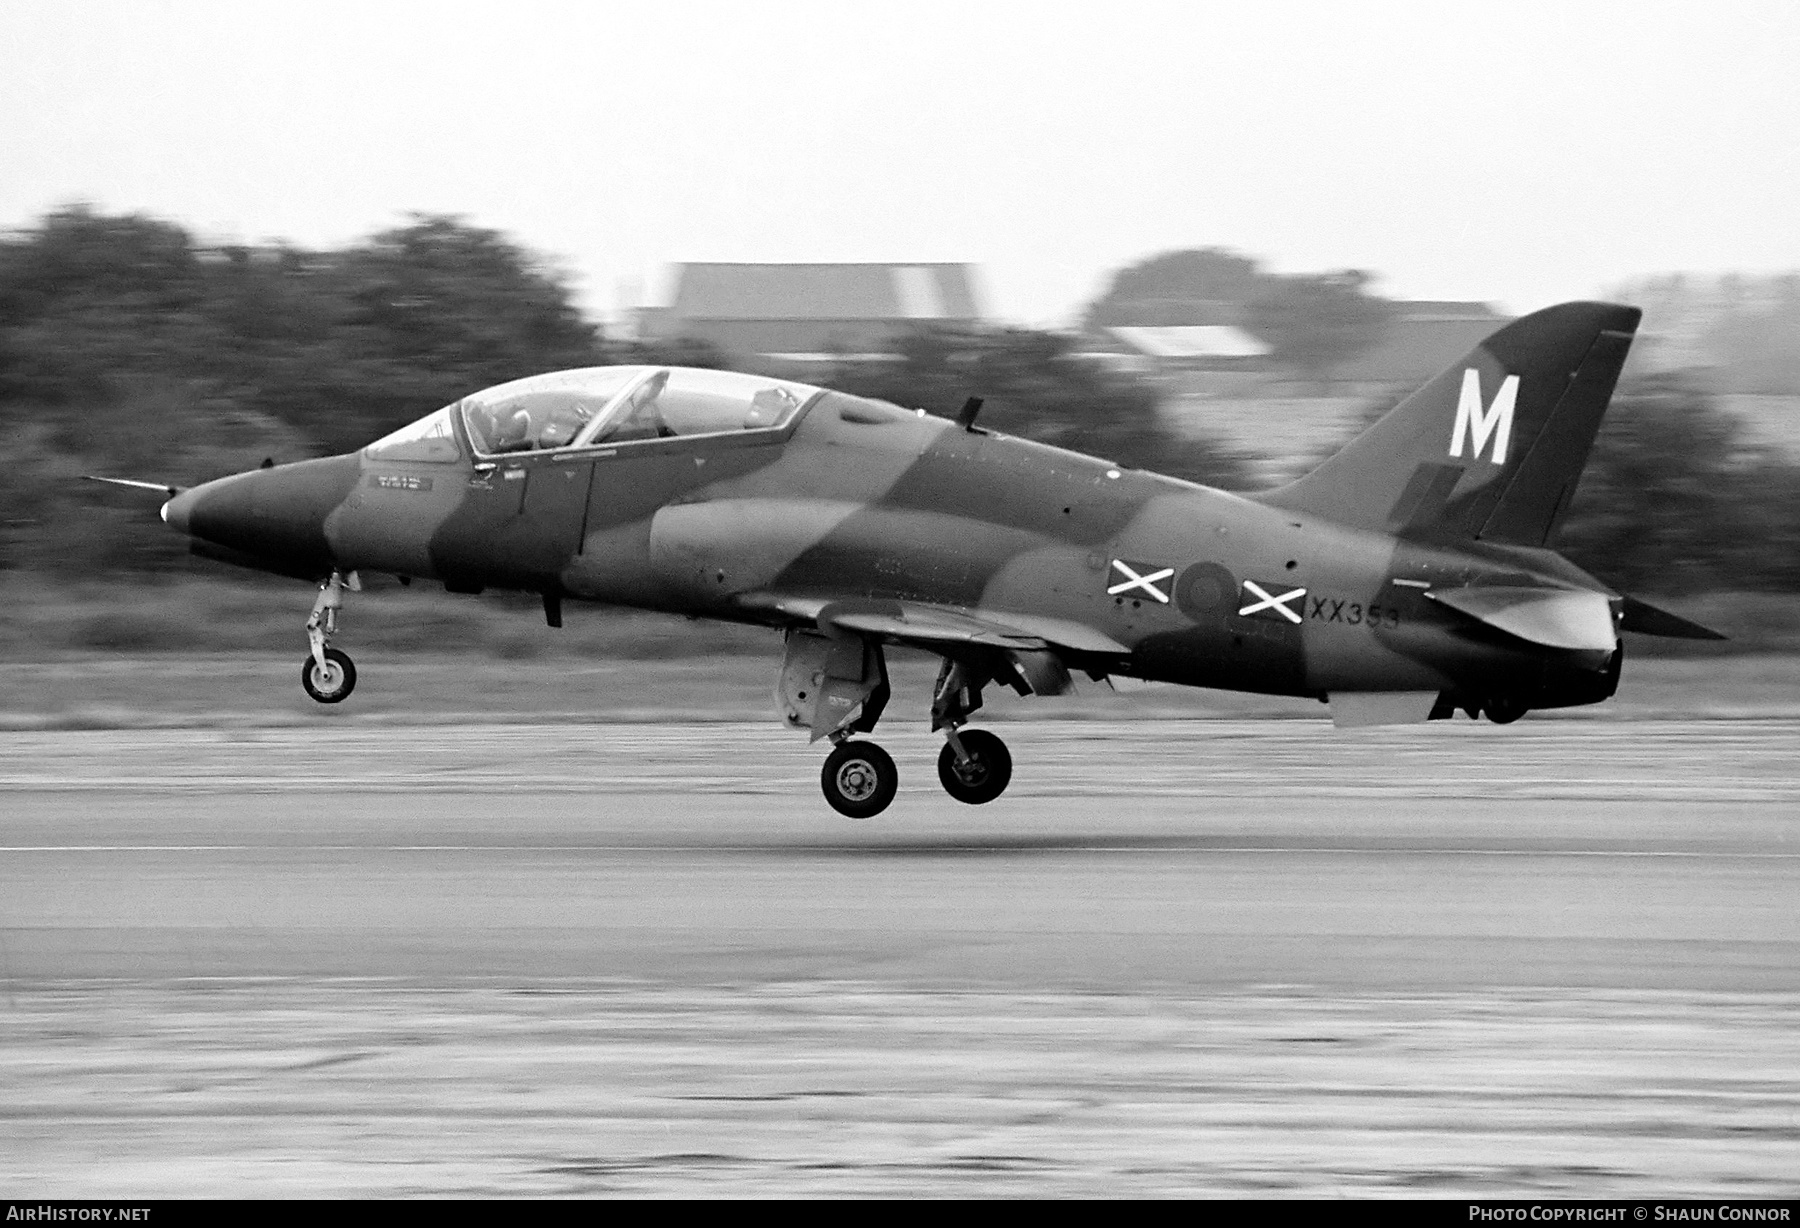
327, 673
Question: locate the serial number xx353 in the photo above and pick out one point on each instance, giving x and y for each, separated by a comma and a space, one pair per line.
1330, 610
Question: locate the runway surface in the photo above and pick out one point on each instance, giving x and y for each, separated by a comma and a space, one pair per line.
1188, 957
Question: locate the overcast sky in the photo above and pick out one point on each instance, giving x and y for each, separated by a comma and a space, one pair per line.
1517, 152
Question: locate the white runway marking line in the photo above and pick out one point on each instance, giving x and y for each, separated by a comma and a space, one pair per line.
825, 846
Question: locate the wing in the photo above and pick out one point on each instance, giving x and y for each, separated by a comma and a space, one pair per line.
924, 625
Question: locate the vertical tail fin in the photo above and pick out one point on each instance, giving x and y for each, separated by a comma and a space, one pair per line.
1492, 448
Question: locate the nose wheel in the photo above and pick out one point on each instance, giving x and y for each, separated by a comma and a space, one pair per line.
859, 779
331, 683
327, 674
974, 766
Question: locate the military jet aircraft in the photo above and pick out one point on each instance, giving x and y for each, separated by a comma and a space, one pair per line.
1406, 578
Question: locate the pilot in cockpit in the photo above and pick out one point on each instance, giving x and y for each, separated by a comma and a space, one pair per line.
539, 422
513, 432
561, 430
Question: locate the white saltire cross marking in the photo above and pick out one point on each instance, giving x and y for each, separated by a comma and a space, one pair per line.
1268, 602
1146, 580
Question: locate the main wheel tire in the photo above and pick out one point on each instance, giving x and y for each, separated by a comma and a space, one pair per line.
984, 777
333, 684
859, 779
1504, 710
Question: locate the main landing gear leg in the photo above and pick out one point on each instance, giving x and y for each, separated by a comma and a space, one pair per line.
974, 766
835, 685
328, 674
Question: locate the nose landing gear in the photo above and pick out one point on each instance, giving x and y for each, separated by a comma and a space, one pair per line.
327, 673
331, 682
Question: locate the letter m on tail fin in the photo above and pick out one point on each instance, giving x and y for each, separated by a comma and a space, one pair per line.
1495, 422
1512, 463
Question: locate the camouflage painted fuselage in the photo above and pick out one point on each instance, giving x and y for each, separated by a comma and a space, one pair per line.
854, 501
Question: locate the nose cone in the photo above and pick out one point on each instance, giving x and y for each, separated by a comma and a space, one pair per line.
270, 519
220, 512
176, 511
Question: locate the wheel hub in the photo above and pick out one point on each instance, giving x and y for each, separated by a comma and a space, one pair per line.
857, 781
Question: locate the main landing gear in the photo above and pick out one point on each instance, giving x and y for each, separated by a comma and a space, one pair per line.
974, 766
327, 673
1504, 709
1500, 709
835, 685
859, 779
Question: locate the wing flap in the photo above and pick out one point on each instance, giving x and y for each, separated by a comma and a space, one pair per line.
1575, 619
926, 624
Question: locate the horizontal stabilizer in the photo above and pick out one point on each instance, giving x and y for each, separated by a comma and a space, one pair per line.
1576, 619
1646, 619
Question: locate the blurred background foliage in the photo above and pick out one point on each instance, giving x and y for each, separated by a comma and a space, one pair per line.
127, 347
340, 346
1675, 501
1312, 321
1035, 384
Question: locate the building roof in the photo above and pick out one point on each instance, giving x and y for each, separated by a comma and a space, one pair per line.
1190, 341
1415, 348
825, 292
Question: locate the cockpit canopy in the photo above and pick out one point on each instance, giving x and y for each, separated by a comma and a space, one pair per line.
600, 407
